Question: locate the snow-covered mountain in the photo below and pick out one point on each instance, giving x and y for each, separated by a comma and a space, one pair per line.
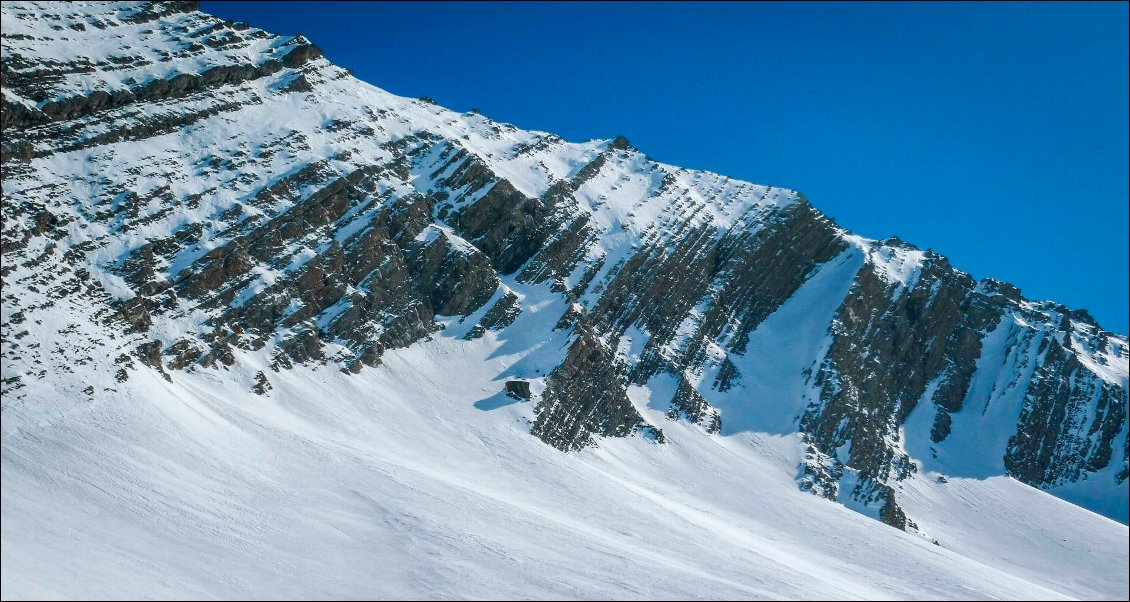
271, 331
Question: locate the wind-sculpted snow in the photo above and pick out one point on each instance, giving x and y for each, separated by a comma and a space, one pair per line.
268, 323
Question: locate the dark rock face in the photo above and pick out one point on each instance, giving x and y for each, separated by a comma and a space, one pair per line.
501, 314
453, 281
895, 347
187, 236
585, 397
301, 54
262, 385
878, 370
375, 290
620, 143
691, 406
506, 225
885, 365
1069, 424
891, 513
742, 278
519, 389
182, 354
150, 355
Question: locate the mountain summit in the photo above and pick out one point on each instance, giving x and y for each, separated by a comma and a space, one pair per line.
271, 331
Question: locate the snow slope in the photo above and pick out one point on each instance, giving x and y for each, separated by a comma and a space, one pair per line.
392, 483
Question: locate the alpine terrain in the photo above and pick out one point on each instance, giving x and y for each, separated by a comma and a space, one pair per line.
270, 331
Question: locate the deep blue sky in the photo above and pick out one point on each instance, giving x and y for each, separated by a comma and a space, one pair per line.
996, 134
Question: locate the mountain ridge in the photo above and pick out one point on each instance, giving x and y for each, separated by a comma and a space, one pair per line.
251, 211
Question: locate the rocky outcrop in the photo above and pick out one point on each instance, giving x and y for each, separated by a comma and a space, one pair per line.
150, 355
691, 406
500, 315
737, 278
891, 340
451, 279
1070, 422
262, 384
504, 224
900, 344
518, 389
585, 397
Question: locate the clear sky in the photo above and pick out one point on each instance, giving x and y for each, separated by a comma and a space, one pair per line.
996, 134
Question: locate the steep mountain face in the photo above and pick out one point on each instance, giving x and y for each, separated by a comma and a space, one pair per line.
204, 201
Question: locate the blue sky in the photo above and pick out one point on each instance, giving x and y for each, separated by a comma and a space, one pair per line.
996, 134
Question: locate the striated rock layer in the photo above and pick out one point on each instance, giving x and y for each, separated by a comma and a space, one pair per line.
189, 191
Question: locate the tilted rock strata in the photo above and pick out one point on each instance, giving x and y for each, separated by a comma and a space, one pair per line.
196, 190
